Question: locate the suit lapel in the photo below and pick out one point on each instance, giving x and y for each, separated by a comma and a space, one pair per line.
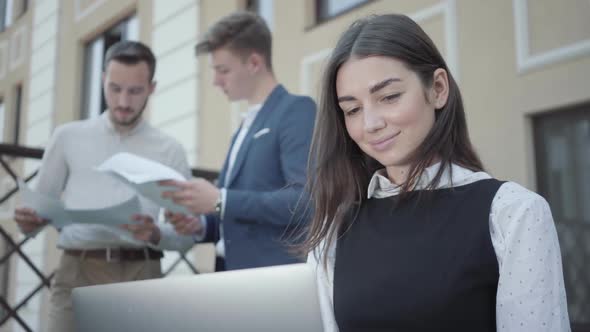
270, 103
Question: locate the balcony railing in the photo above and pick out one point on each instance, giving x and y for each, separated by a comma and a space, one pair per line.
14, 247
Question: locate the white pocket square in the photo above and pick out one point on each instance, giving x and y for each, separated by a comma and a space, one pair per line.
261, 132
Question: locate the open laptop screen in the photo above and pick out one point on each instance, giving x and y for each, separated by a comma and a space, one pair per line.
279, 298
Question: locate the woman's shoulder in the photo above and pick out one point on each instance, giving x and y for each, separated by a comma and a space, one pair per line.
509, 193
516, 209
512, 194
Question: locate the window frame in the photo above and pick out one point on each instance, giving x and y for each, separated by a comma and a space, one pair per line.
564, 117
321, 17
18, 105
94, 51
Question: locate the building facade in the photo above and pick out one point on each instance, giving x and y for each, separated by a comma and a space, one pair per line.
523, 67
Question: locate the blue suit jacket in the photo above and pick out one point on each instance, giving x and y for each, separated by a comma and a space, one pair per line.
263, 202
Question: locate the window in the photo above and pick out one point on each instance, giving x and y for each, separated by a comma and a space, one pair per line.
562, 149
326, 9
11, 10
10, 119
4, 14
18, 94
252, 5
2, 120
93, 103
264, 8
21, 7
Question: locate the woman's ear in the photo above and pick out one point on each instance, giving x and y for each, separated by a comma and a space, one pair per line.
440, 88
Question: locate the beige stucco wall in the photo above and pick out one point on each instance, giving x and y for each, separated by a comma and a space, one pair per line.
215, 127
499, 99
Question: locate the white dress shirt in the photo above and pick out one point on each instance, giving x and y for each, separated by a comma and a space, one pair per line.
67, 171
248, 119
531, 293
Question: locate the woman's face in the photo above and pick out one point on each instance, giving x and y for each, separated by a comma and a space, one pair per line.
386, 109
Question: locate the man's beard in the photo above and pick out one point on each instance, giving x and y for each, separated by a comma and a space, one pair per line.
131, 122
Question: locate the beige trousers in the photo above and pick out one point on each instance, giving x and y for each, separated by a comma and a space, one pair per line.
80, 271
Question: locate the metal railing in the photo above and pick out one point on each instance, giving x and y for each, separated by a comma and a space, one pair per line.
14, 247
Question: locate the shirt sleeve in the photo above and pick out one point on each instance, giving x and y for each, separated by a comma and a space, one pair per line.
531, 293
54, 171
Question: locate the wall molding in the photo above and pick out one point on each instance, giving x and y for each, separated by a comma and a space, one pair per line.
82, 13
187, 40
3, 58
171, 16
17, 54
35, 56
527, 62
447, 8
305, 69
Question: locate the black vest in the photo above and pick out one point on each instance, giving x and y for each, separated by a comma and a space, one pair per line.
426, 264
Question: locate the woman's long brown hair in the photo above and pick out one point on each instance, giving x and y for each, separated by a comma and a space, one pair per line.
339, 172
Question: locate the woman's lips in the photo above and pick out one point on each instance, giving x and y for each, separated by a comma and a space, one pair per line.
383, 143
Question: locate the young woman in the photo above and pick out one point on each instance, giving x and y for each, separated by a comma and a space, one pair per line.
409, 233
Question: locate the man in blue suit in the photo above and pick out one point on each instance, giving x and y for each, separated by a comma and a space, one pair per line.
258, 201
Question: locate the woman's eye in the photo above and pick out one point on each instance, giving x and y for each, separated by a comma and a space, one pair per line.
392, 97
352, 111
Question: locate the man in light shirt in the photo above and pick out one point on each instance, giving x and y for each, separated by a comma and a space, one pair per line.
98, 254
258, 201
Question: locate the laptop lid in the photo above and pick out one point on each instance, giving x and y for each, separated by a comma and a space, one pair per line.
279, 298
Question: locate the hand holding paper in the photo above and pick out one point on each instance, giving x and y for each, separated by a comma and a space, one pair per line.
44, 206
144, 229
185, 224
198, 195
27, 219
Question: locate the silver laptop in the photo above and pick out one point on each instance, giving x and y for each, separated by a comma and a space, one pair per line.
280, 298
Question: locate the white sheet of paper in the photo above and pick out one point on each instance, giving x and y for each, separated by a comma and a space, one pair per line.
143, 176
112, 216
53, 210
137, 169
154, 191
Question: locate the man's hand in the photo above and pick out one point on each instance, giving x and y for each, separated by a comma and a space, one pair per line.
198, 195
27, 219
144, 229
185, 224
